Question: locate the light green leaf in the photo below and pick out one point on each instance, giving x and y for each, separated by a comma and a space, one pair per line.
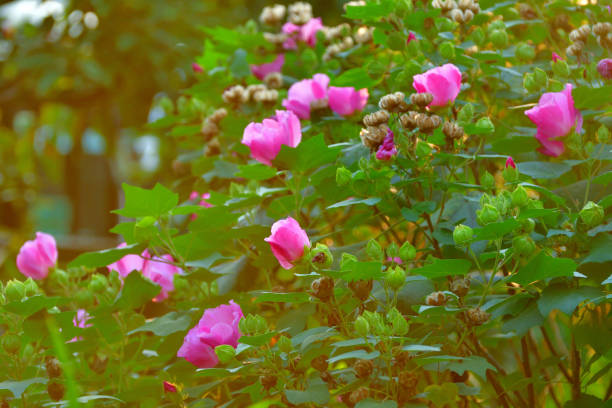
360, 354
105, 257
565, 299
444, 267
544, 266
167, 324
140, 202
18, 387
137, 290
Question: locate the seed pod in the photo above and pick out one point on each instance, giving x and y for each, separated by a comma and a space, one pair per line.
527, 12
55, 391
97, 363
334, 318
476, 317
327, 377
274, 80
373, 136
209, 129
580, 34
323, 288
363, 34
436, 299
452, 130
235, 95
401, 357
213, 147
602, 28
361, 289
320, 363
272, 15
394, 102
218, 115
363, 368
460, 287
53, 367
300, 13
268, 381
358, 395
426, 123
408, 120
421, 99
377, 118
266, 97
277, 39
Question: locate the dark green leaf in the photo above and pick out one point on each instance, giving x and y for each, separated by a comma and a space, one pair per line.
294, 297
167, 324
565, 299
105, 257
140, 202
352, 201
544, 266
18, 387
444, 267
256, 171
137, 290
600, 250
543, 170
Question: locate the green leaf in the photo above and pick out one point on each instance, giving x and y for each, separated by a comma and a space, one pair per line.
105, 257
355, 77
316, 392
525, 320
137, 290
420, 347
586, 97
18, 387
239, 66
293, 297
476, 364
369, 11
495, 230
256, 171
544, 266
310, 153
600, 250
543, 170
257, 340
360, 354
33, 304
140, 202
167, 324
565, 299
444, 267
370, 403
352, 201
354, 271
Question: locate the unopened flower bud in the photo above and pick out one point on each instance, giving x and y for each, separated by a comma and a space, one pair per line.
529, 82
526, 226
11, 343
561, 69
603, 134
407, 252
374, 250
14, 290
525, 52
321, 256
225, 353
98, 283
510, 174
487, 215
343, 176
604, 67
484, 125
398, 322
31, 288
447, 50
462, 234
520, 198
362, 327
487, 180
395, 278
284, 344
460, 287
592, 214
499, 38
523, 245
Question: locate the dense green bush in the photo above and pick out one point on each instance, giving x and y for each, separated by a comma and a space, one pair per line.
414, 213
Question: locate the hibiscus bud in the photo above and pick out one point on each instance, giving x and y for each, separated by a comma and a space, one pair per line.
604, 67
462, 234
487, 181
499, 38
31, 288
98, 283
523, 245
376, 323
363, 368
362, 327
560, 68
484, 125
392, 250
466, 113
395, 278
59, 277
399, 323
478, 36
476, 317
288, 241
510, 173
11, 343
225, 353
526, 226
284, 344
84, 299
540, 77
343, 176
529, 82
374, 250
447, 50
592, 214
407, 252
487, 215
520, 198
169, 387
321, 256
603, 134
525, 52
14, 290
346, 259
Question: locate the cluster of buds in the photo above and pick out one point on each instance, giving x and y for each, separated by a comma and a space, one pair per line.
461, 11
424, 122
336, 48
273, 80
603, 32
579, 38
300, 13
258, 93
364, 34
373, 136
272, 15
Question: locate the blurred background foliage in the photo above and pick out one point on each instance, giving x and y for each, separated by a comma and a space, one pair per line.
79, 81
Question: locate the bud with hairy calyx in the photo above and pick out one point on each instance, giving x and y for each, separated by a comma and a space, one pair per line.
487, 215
523, 245
487, 181
407, 252
462, 234
529, 82
395, 278
374, 250
399, 323
525, 52
466, 113
362, 327
14, 290
520, 198
560, 68
592, 214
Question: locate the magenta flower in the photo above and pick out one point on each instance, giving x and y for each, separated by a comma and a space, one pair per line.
161, 271
169, 387
194, 196
126, 264
37, 256
80, 320
555, 116
308, 32
265, 139
261, 71
397, 260
556, 57
287, 241
292, 31
510, 162
387, 149
442, 82
346, 100
197, 68
411, 37
216, 327
307, 94
604, 67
